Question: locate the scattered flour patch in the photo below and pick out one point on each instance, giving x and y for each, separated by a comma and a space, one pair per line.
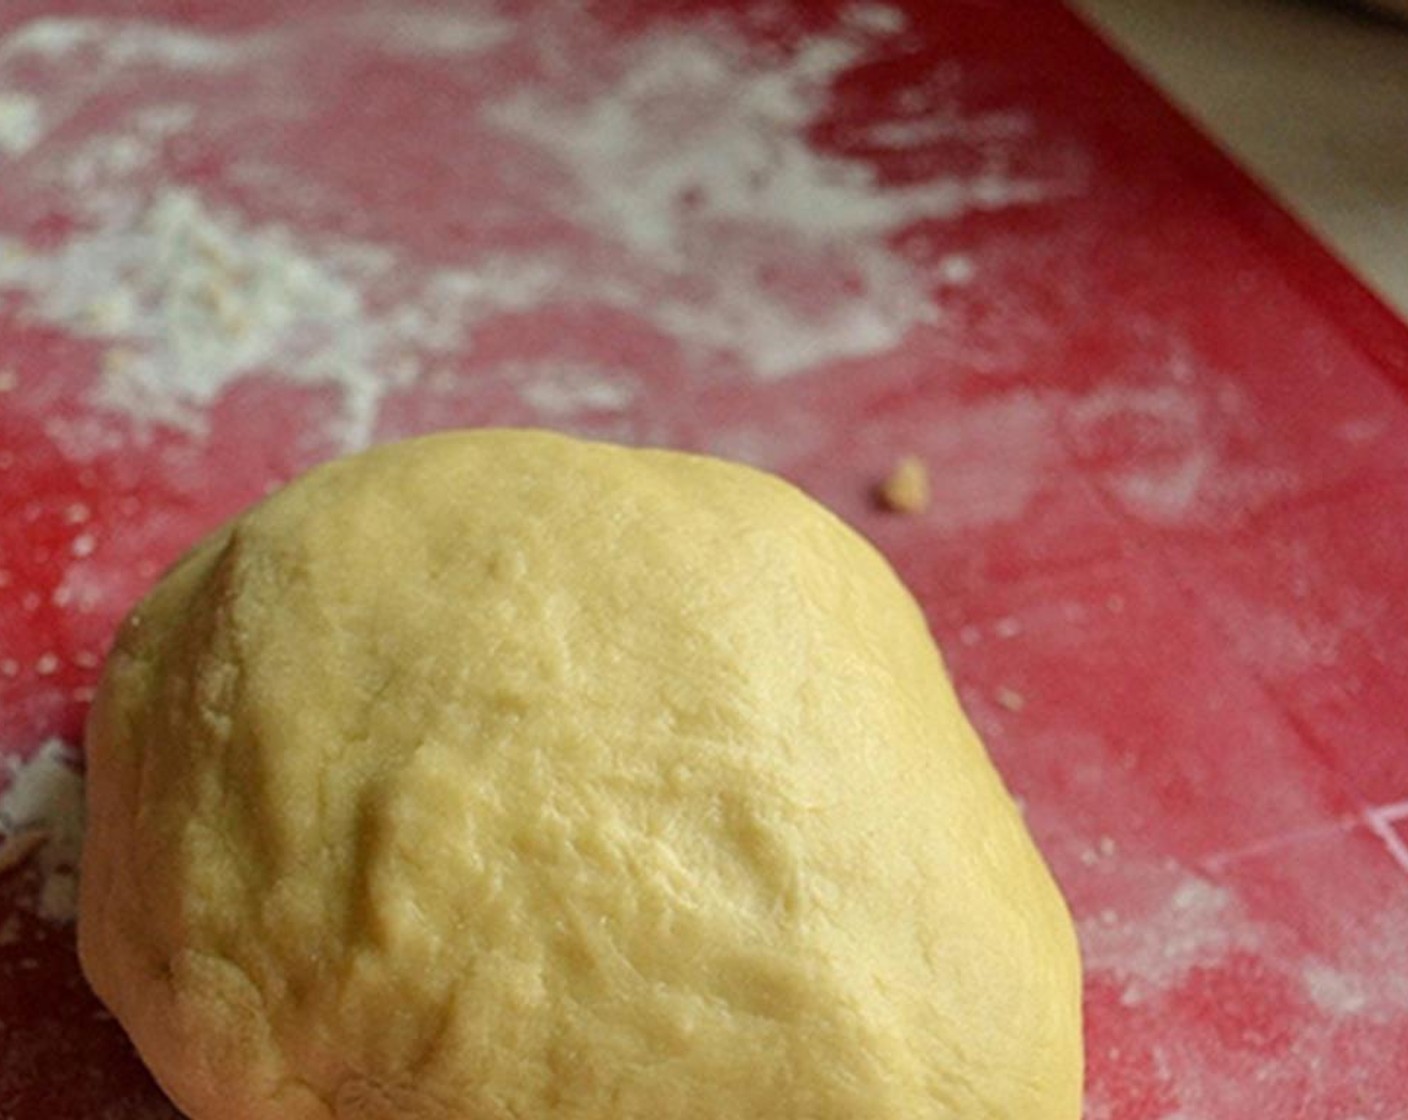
877, 19
1180, 450
451, 301
561, 391
198, 301
1197, 925
1158, 436
1007, 628
950, 125
957, 270
84, 437
45, 794
192, 300
1335, 992
113, 43
716, 222
1143, 417
692, 131
1280, 639
98, 172
417, 30
1362, 430
775, 337
49, 38
695, 161
1165, 491
1370, 971
20, 123
1280, 643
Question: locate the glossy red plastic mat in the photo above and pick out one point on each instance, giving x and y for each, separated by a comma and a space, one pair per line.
1167, 435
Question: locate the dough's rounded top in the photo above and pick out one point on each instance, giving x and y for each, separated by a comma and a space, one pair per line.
502, 776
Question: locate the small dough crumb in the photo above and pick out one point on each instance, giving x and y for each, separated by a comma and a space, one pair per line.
906, 489
1011, 699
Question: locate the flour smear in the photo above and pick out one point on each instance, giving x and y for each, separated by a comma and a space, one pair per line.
1194, 927
20, 125
41, 826
688, 156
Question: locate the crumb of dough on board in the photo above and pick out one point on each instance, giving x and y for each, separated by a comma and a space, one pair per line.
1011, 699
906, 487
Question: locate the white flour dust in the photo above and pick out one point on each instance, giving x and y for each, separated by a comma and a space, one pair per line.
1197, 925
554, 390
1191, 928
1178, 447
419, 30
950, 125
97, 174
19, 123
1334, 992
199, 302
193, 301
103, 45
41, 805
1165, 428
689, 158
696, 160
691, 135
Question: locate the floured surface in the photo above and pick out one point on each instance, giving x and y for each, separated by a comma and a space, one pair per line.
1163, 547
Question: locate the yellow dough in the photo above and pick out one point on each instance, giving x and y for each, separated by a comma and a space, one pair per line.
502, 776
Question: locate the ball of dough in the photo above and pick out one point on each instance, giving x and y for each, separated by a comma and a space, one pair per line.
502, 776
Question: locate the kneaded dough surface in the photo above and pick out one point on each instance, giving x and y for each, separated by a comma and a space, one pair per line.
502, 776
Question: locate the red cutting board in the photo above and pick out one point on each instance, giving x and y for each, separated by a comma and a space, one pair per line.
1167, 434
